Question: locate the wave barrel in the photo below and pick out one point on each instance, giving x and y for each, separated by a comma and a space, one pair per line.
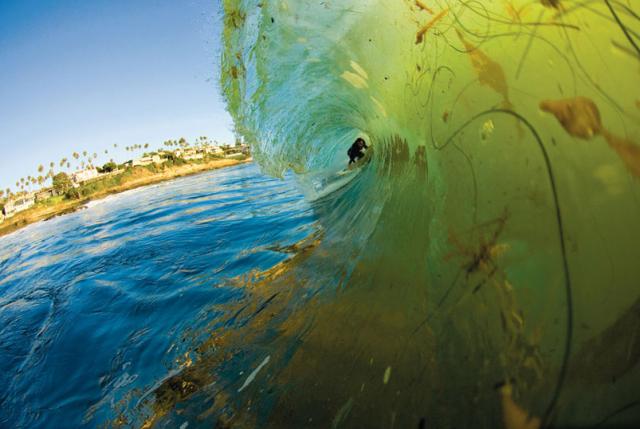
480, 268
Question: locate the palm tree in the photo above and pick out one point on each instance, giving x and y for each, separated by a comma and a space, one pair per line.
76, 155
40, 168
84, 153
95, 155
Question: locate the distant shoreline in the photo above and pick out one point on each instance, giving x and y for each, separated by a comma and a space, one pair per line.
142, 177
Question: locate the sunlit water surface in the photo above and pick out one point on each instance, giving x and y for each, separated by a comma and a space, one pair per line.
100, 303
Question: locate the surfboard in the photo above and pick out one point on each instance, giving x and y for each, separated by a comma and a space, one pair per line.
362, 161
326, 183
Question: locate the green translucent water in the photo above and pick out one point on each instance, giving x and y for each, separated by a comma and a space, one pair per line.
493, 239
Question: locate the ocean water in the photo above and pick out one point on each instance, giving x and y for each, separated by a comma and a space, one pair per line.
482, 270
98, 306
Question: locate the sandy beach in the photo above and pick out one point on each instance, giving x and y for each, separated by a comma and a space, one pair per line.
139, 177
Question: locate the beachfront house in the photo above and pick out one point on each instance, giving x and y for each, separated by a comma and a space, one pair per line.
213, 150
18, 204
193, 156
148, 160
82, 176
141, 162
45, 194
112, 173
237, 151
189, 154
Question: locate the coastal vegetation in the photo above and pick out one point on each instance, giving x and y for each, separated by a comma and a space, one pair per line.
67, 189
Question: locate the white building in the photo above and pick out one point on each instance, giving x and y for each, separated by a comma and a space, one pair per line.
83, 175
214, 150
148, 160
189, 154
193, 156
45, 194
18, 204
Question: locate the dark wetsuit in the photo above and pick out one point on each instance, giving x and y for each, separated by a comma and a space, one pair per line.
355, 152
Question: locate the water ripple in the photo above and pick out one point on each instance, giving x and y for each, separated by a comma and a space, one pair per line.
96, 304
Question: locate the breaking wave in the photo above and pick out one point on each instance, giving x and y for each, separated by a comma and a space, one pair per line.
481, 270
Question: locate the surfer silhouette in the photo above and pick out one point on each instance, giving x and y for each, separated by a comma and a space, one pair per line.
355, 152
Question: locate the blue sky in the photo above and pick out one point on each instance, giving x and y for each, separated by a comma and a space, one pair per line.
85, 74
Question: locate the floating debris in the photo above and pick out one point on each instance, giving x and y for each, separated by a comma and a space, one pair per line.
628, 151
424, 7
580, 117
255, 372
555, 4
343, 412
428, 25
514, 416
358, 77
387, 375
354, 79
490, 73
487, 129
358, 69
379, 105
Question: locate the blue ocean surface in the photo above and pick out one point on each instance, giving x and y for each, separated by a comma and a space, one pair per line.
100, 303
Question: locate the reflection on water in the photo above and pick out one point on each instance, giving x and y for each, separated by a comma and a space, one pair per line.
96, 307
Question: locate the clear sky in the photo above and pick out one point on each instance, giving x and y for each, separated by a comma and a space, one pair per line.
84, 74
